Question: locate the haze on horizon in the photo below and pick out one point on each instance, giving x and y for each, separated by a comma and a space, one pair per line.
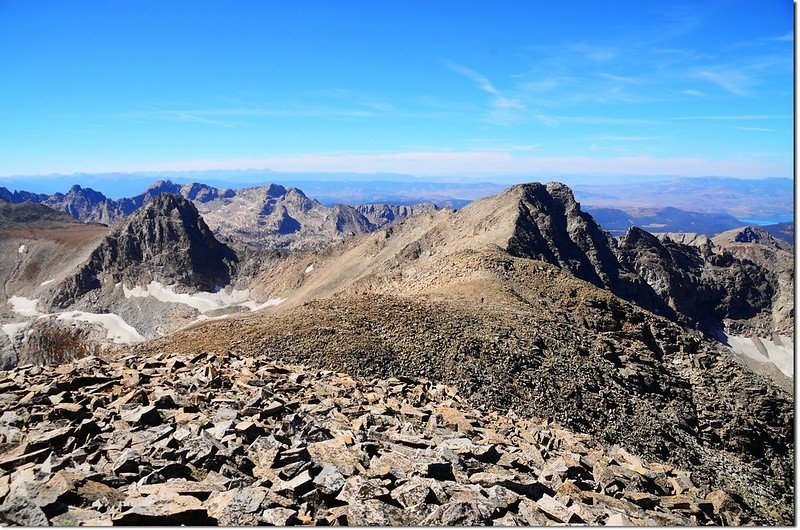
445, 89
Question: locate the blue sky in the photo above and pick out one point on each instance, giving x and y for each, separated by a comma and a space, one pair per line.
426, 88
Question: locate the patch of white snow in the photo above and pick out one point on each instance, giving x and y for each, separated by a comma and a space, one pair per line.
117, 330
12, 329
22, 249
23, 306
309, 268
255, 306
201, 301
779, 352
48, 282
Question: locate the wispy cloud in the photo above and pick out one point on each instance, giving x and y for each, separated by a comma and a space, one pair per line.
694, 93
555, 121
631, 138
504, 110
743, 117
731, 79
786, 37
232, 117
622, 78
754, 129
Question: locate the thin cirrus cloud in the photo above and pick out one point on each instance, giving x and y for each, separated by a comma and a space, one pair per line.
503, 109
733, 80
734, 117
226, 117
754, 129
556, 121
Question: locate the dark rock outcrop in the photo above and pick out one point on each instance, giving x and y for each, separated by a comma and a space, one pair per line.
165, 241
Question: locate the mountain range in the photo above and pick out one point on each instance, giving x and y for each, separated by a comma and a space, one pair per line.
265, 215
676, 346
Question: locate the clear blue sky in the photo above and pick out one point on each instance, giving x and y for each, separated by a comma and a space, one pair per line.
437, 88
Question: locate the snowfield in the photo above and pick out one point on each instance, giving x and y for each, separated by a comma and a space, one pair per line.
13, 329
24, 306
202, 301
117, 330
779, 352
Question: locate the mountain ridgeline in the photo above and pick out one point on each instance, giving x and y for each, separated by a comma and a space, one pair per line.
520, 301
272, 215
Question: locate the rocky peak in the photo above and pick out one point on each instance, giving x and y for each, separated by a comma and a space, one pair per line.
748, 234
347, 220
163, 186
204, 193
87, 195
273, 191
21, 196
551, 227
165, 241
636, 236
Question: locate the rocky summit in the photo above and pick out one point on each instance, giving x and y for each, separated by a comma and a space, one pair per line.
240, 440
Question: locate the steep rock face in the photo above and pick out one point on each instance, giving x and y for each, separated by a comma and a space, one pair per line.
776, 257
708, 286
551, 227
21, 196
88, 205
202, 193
383, 214
348, 220
675, 272
165, 241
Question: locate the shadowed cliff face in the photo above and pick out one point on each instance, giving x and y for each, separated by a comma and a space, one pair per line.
700, 286
707, 286
165, 241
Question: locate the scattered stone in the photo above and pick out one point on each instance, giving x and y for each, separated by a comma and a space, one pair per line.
22, 511
279, 517
182, 447
144, 415
329, 481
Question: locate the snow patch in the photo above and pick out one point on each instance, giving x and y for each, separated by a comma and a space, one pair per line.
309, 268
12, 329
255, 306
117, 330
22, 249
779, 351
24, 306
48, 282
202, 301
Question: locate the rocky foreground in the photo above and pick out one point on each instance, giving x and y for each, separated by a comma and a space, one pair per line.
229, 440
